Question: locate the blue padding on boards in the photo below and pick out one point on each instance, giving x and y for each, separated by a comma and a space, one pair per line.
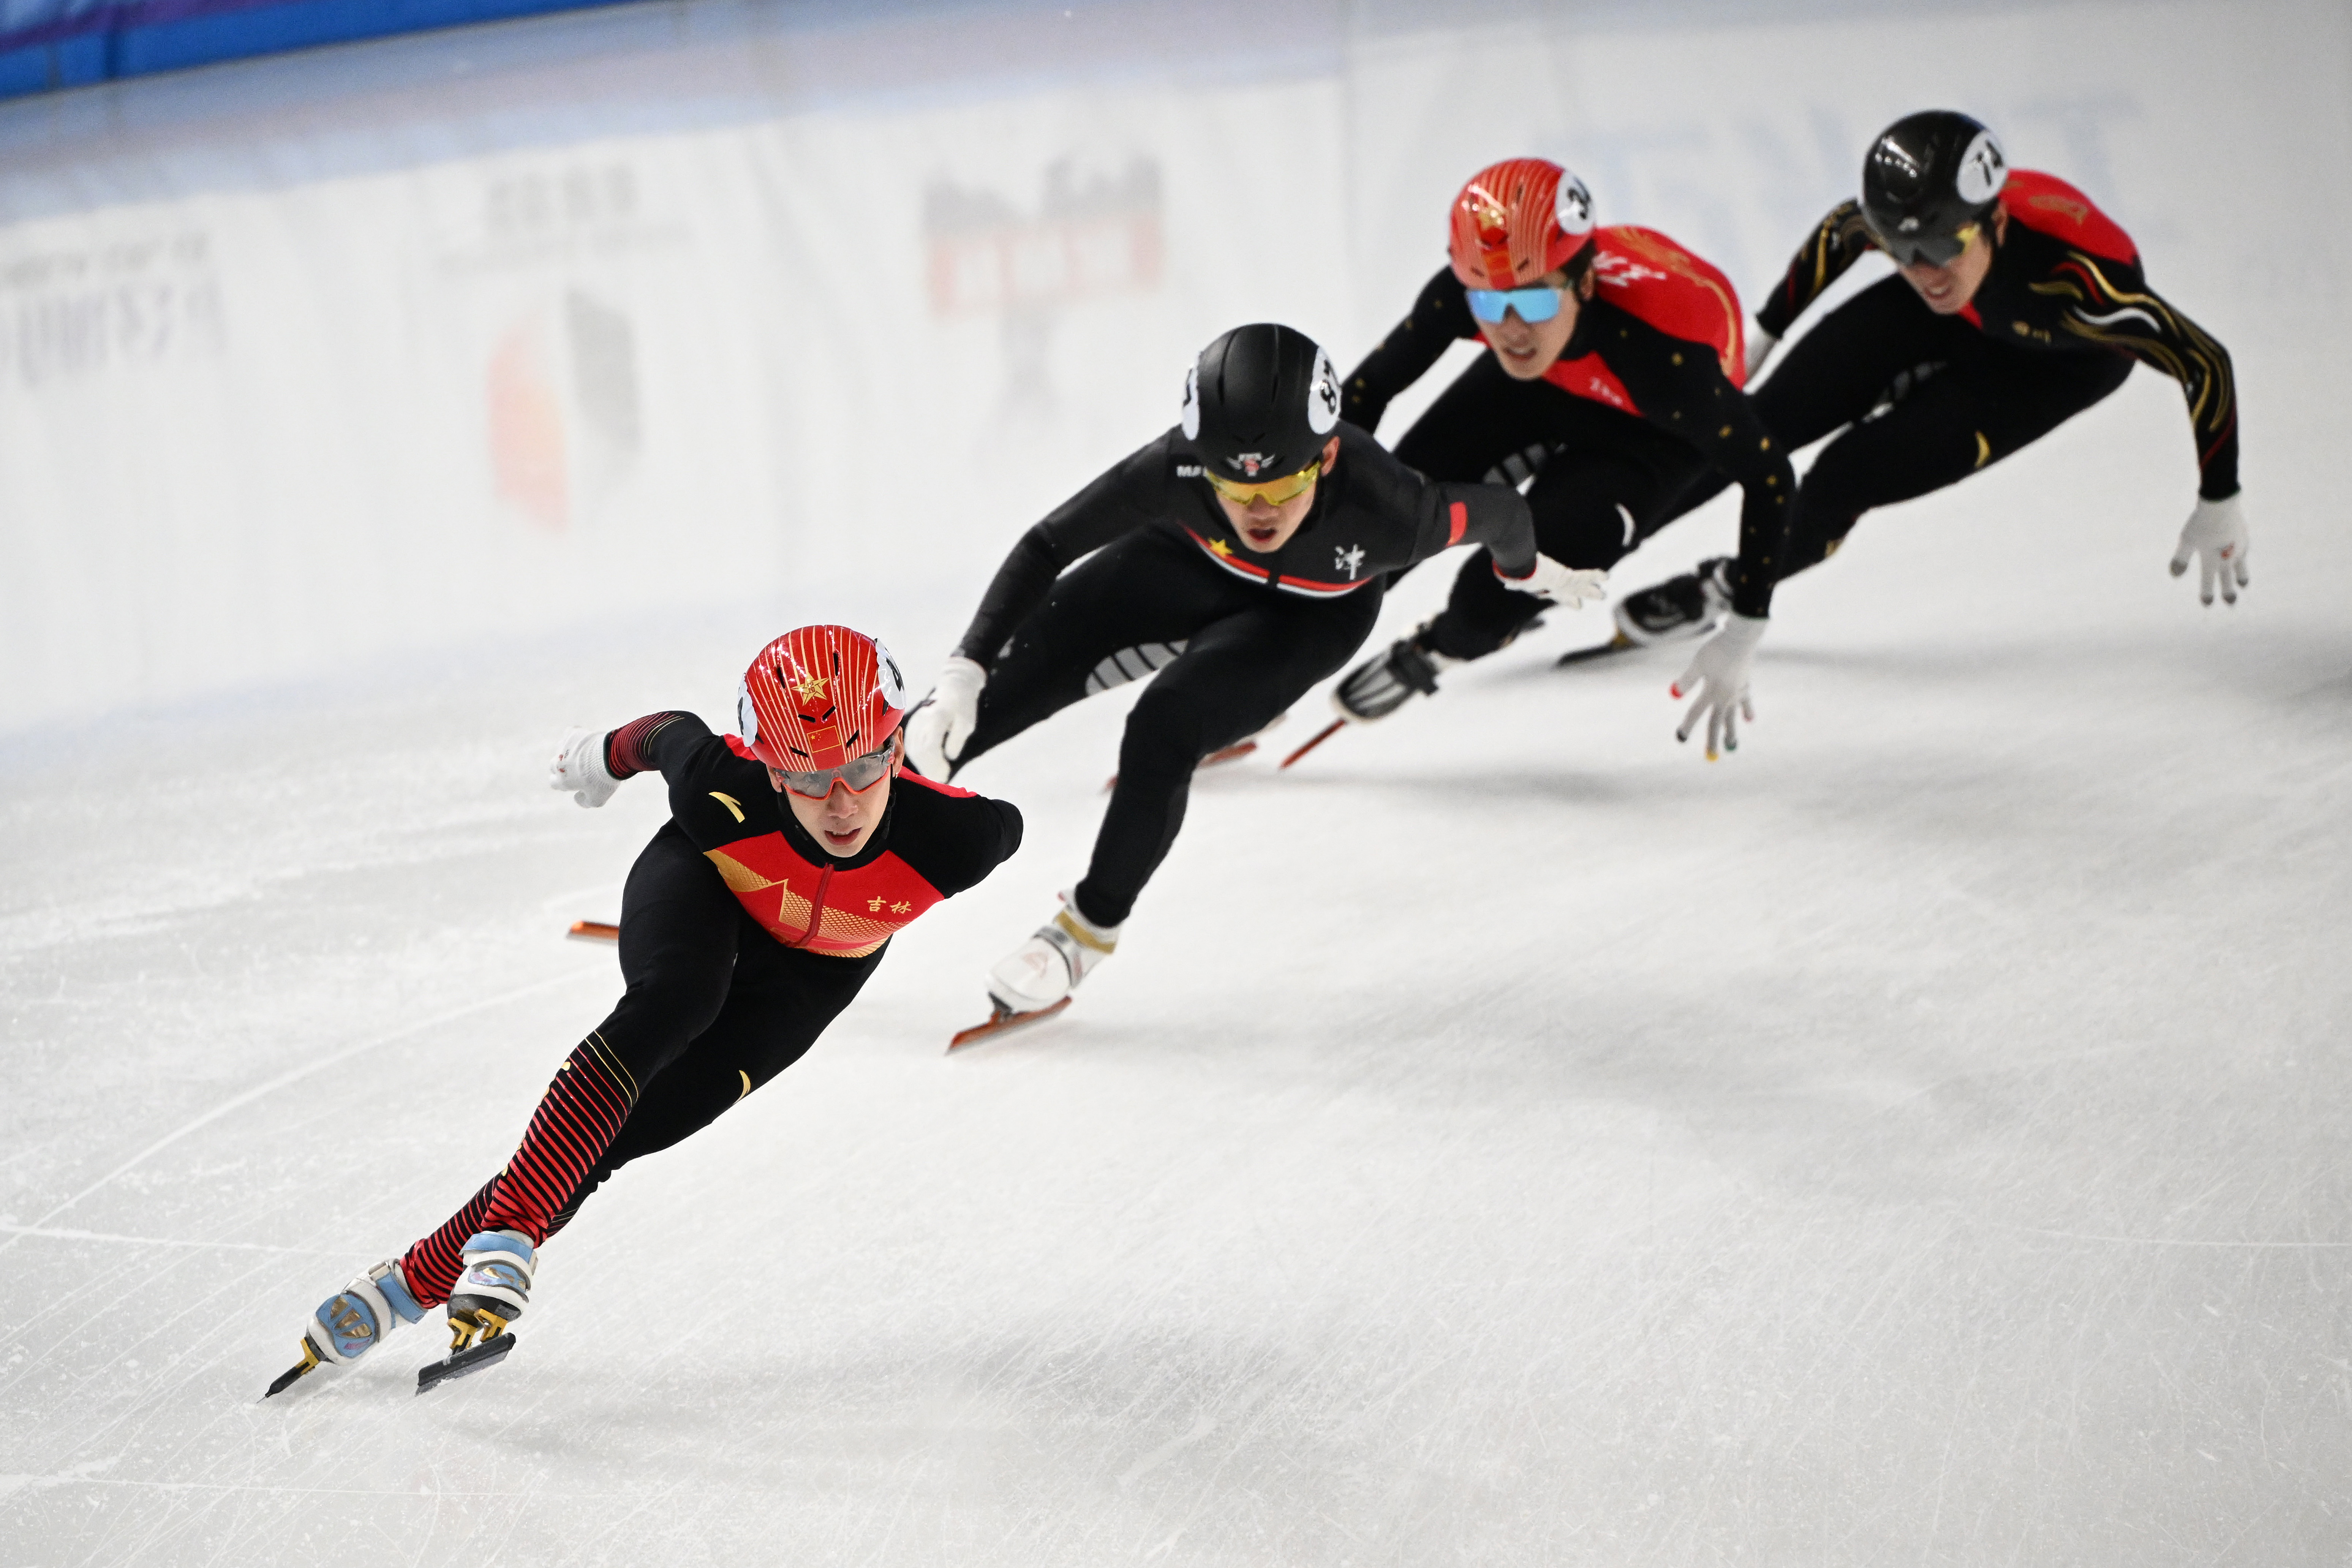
139, 51
272, 29
68, 62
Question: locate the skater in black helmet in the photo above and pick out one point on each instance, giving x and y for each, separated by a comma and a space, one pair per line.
1612, 382
2017, 305
1237, 560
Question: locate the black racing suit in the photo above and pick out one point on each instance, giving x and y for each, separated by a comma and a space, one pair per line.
1237, 635
1608, 457
1926, 400
730, 979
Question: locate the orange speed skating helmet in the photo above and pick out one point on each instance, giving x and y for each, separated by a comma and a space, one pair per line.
818, 697
1516, 221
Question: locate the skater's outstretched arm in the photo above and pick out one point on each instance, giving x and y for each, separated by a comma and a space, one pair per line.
1115, 505
2110, 304
1495, 516
589, 765
1440, 317
1120, 501
1837, 242
1682, 390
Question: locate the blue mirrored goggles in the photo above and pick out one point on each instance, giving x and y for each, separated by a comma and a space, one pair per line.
1534, 303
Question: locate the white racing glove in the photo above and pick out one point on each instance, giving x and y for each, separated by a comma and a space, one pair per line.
1569, 586
1759, 349
2215, 534
1716, 684
939, 729
579, 767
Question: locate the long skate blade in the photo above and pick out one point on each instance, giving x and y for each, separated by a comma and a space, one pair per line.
1617, 644
464, 1363
1004, 1021
1233, 754
594, 930
289, 1377
1325, 733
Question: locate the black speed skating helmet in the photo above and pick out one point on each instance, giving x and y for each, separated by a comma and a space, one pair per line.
1929, 176
1261, 403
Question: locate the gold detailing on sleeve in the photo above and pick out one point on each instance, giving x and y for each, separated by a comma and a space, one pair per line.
730, 801
1837, 242
2140, 323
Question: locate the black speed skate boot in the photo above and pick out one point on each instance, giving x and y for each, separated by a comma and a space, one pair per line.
1679, 608
1385, 682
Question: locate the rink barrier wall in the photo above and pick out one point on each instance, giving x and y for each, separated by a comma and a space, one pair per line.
143, 37
508, 335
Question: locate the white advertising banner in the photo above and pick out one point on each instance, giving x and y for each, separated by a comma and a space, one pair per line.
261, 429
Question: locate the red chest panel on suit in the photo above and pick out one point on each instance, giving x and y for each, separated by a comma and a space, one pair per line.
845, 914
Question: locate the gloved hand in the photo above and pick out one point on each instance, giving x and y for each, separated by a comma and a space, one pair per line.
937, 731
1716, 684
1569, 586
1760, 347
2216, 534
579, 767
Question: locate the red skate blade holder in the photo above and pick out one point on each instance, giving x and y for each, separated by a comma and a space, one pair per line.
1003, 1022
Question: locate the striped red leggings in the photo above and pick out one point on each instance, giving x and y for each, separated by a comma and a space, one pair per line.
715, 1007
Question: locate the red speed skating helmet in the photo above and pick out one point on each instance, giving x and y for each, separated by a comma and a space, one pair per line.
819, 696
1516, 221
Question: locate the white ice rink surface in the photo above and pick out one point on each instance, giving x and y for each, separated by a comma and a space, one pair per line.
1503, 1139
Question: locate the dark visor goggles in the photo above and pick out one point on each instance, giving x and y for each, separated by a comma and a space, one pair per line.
1926, 250
860, 773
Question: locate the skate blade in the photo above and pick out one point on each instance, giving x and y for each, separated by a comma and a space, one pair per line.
1617, 644
1325, 733
1233, 754
594, 930
1003, 1022
465, 1363
292, 1376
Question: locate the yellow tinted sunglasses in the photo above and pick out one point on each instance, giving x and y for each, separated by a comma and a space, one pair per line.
1274, 493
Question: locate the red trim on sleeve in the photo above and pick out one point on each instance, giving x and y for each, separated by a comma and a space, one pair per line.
1458, 517
625, 750
2048, 204
935, 786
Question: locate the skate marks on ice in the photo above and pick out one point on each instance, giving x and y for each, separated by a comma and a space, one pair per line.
309, 1069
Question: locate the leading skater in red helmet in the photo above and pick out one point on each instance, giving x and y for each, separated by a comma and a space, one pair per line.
795, 849
1612, 381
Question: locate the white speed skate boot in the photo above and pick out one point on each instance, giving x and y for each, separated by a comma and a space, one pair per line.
351, 1322
1035, 980
489, 1295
